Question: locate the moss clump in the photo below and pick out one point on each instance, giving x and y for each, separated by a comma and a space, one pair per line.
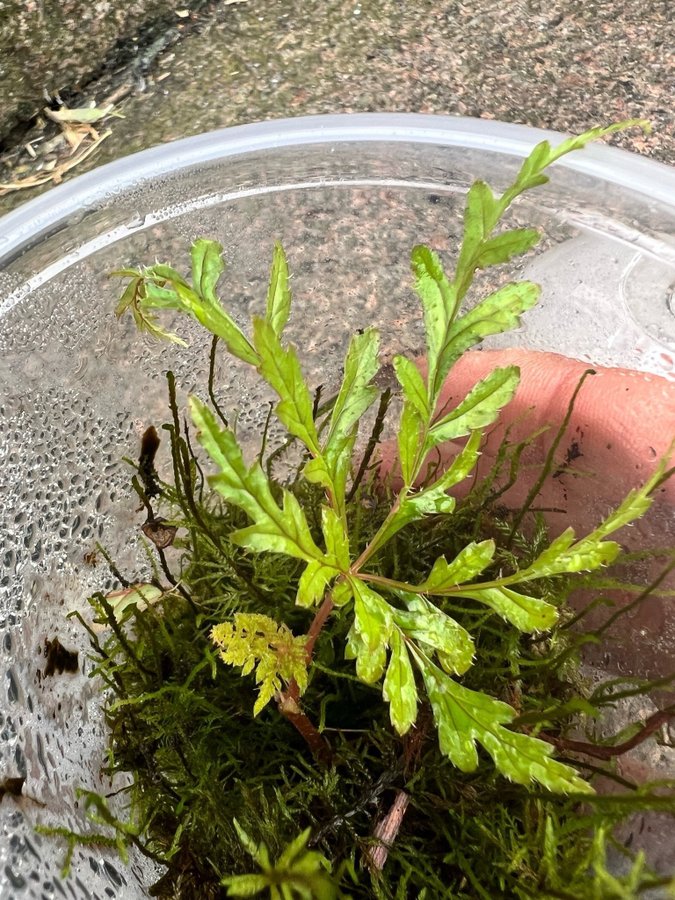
182, 723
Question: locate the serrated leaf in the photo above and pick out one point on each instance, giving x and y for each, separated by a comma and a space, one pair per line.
399, 688
294, 849
247, 842
373, 623
464, 718
313, 583
280, 530
276, 530
162, 272
505, 246
460, 468
245, 885
468, 563
280, 368
635, 505
481, 213
424, 622
355, 394
130, 291
543, 155
564, 555
337, 542
412, 384
579, 141
437, 297
342, 593
433, 499
412, 509
526, 613
161, 287
202, 303
372, 615
409, 434
495, 314
538, 158
134, 299
297, 872
278, 292
370, 664
207, 267
480, 407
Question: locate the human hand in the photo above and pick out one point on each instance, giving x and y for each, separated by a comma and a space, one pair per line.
621, 426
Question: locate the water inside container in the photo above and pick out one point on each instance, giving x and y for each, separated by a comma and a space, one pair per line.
79, 388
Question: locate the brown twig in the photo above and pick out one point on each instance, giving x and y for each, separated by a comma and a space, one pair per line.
652, 724
386, 830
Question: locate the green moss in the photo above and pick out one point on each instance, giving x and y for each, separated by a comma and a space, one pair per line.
182, 723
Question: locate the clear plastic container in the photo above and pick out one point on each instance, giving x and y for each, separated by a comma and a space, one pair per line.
348, 196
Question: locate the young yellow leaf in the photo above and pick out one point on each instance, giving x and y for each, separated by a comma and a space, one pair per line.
257, 642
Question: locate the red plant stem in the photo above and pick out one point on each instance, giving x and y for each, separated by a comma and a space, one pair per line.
318, 622
287, 701
652, 724
386, 830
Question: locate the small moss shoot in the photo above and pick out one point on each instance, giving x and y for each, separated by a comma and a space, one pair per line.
351, 686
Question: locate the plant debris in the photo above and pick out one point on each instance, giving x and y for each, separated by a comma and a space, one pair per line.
49, 160
59, 659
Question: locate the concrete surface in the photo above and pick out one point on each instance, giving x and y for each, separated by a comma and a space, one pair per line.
564, 65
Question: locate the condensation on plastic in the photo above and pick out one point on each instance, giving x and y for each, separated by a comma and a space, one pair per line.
348, 197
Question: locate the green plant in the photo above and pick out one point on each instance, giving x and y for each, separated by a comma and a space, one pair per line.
298, 872
399, 634
335, 589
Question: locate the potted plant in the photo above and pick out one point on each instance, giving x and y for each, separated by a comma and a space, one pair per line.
351, 682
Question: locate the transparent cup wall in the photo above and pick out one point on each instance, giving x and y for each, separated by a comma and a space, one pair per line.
78, 387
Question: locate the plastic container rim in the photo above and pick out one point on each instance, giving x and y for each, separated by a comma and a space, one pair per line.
619, 167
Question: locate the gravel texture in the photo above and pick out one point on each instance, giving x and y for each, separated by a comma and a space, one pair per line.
565, 65
49, 46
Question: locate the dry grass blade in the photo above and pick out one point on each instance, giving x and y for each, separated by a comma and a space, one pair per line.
58, 170
85, 115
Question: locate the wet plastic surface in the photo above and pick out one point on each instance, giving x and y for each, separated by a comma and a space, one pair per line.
348, 197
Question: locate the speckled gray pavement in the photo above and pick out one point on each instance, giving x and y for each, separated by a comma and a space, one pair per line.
563, 65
